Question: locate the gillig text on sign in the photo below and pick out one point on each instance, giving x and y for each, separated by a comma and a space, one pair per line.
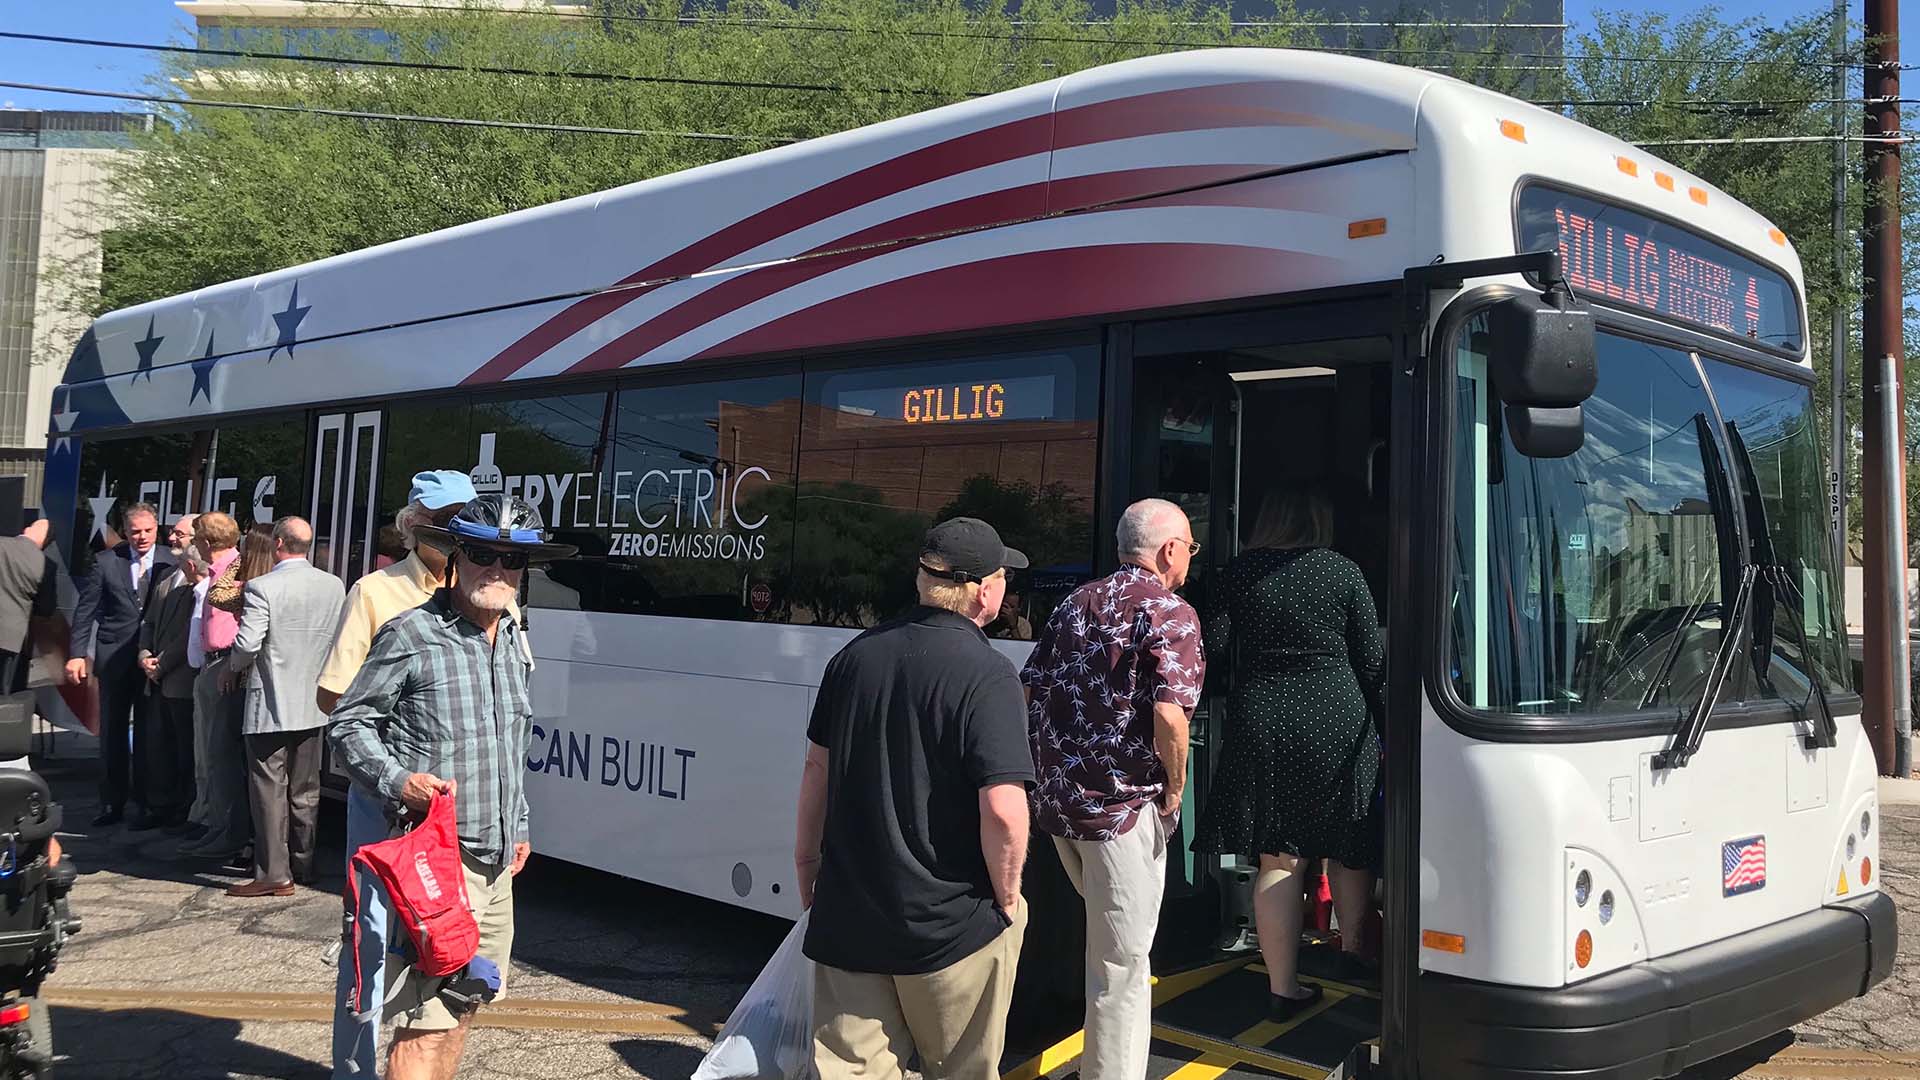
950, 404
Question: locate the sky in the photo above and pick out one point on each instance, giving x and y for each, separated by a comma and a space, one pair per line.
159, 20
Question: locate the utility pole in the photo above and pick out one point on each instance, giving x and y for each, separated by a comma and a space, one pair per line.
1883, 485
1837, 331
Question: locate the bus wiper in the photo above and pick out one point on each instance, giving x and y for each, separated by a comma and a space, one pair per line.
1663, 675
1779, 580
1693, 727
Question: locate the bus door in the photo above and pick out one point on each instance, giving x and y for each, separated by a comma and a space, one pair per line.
343, 508
345, 503
1228, 412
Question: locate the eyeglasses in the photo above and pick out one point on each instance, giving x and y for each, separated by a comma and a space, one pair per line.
1193, 547
508, 560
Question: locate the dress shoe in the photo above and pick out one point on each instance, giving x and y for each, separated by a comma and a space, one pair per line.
1281, 1008
142, 821
110, 816
241, 860
261, 888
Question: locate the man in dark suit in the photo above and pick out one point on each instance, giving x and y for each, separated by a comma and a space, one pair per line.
106, 627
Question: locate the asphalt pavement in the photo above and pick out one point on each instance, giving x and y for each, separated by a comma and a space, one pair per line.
173, 980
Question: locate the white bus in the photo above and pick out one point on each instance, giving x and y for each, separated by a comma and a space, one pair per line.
1559, 387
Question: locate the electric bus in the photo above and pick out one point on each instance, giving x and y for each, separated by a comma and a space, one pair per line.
1559, 388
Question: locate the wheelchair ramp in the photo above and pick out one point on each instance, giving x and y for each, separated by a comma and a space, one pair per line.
1210, 1022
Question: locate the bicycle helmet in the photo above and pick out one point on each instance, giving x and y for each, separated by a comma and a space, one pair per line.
507, 522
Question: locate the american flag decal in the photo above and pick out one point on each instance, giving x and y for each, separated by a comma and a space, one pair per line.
1743, 865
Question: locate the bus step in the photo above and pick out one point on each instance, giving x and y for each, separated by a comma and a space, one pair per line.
1210, 1022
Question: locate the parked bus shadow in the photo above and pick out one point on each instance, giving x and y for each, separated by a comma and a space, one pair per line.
1728, 1066
165, 1044
658, 1057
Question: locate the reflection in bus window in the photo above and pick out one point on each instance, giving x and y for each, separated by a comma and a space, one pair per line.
427, 435
256, 472
699, 502
887, 451
1774, 419
546, 451
116, 473
1591, 583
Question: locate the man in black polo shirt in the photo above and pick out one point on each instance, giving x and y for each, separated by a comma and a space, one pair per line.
913, 828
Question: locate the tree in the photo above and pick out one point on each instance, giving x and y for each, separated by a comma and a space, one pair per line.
224, 194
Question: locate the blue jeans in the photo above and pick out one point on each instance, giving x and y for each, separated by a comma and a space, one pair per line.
356, 1043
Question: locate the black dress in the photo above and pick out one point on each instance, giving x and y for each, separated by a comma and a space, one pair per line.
1301, 757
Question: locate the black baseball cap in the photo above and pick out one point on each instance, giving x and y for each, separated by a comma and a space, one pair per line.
971, 549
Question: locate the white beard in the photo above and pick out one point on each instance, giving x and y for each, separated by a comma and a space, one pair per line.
488, 596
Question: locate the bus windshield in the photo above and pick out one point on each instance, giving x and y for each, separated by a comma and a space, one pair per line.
1600, 583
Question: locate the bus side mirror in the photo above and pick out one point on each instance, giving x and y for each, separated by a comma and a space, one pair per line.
1543, 367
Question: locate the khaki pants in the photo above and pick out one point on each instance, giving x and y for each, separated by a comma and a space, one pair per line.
416, 1004
869, 1026
1122, 880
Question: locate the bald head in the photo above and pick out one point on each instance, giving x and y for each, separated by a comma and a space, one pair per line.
292, 539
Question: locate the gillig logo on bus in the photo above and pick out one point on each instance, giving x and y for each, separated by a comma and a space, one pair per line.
1605, 260
946, 405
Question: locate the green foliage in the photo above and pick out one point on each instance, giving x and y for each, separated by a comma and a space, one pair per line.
226, 193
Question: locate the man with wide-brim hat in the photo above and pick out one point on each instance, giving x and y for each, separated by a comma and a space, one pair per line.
441, 704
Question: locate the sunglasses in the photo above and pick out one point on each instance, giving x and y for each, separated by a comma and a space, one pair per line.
508, 560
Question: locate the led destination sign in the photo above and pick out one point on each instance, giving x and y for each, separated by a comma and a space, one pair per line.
954, 404
982, 399
1612, 254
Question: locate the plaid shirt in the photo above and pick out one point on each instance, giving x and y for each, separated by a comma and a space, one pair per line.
434, 697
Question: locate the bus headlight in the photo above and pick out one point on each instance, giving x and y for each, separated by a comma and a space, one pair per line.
1582, 888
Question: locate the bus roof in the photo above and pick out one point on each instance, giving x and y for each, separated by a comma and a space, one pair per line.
1097, 193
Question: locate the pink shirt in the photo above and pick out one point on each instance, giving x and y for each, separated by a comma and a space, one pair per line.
220, 626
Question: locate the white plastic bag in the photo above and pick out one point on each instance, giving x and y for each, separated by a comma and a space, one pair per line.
769, 1036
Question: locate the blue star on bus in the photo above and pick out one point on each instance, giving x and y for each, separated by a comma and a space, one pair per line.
289, 322
146, 347
203, 373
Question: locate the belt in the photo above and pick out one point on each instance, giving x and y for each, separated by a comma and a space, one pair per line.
216, 654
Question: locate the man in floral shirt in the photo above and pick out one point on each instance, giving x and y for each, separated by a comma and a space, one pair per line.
1111, 687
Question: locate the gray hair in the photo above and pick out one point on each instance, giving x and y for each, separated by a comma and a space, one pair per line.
1146, 526
407, 518
142, 508
294, 535
190, 556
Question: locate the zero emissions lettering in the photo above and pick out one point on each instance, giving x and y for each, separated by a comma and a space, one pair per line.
955, 404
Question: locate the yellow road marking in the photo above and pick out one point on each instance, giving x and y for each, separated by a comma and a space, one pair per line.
1165, 990
519, 1014
1348, 989
1051, 1058
1246, 1055
1204, 1067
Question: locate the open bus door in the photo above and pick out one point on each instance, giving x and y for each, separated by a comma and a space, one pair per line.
1211, 412
1215, 413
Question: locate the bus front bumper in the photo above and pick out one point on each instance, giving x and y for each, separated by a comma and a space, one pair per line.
1659, 1017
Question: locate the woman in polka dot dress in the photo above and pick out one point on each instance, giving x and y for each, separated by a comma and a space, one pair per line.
1302, 755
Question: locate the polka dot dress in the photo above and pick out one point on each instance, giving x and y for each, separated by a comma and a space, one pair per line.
1298, 769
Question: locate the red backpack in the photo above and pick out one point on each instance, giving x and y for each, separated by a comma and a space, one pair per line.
427, 890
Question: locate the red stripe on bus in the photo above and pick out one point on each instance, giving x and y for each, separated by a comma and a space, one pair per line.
1219, 105
1038, 287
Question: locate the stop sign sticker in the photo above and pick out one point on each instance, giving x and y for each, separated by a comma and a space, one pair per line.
761, 597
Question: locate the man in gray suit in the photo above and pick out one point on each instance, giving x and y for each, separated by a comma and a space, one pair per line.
285, 632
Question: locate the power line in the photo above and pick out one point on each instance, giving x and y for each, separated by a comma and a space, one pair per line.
595, 76
602, 76
693, 21
1902, 137
355, 114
